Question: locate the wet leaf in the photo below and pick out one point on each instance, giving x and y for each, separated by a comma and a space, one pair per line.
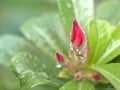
32, 71
78, 85
99, 34
113, 48
113, 75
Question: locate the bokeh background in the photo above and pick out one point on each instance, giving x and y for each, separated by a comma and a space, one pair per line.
15, 12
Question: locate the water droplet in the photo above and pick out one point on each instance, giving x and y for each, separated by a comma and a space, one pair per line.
79, 53
58, 65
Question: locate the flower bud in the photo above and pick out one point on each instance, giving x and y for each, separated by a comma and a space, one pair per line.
78, 38
93, 76
96, 77
60, 58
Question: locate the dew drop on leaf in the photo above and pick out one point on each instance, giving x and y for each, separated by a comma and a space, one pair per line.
58, 65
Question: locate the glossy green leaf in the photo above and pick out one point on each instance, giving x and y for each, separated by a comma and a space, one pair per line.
111, 72
10, 45
111, 13
113, 48
67, 14
32, 71
77, 85
101, 86
46, 32
82, 10
8, 81
99, 34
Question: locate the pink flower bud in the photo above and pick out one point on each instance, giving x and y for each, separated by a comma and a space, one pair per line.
96, 77
93, 76
60, 58
77, 35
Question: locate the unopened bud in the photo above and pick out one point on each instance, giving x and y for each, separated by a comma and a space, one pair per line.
60, 58
78, 38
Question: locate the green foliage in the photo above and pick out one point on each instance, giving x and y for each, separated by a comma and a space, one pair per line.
111, 72
47, 33
75, 85
99, 34
14, 13
8, 80
10, 45
33, 61
82, 10
113, 48
32, 71
109, 10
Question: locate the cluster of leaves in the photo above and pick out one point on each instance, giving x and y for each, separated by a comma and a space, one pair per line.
33, 60
111, 13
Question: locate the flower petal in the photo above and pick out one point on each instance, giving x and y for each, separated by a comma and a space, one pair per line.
96, 77
60, 58
77, 35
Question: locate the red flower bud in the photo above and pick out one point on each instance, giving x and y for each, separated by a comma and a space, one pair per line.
77, 35
93, 76
96, 77
60, 58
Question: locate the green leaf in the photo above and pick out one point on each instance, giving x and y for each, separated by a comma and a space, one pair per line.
76, 85
101, 86
8, 81
111, 13
111, 72
10, 45
99, 34
113, 48
46, 32
67, 14
32, 71
82, 10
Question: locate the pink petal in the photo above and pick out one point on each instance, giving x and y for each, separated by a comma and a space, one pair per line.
96, 77
77, 35
73, 34
60, 58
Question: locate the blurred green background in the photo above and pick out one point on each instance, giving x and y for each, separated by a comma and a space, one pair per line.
15, 12
12, 14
